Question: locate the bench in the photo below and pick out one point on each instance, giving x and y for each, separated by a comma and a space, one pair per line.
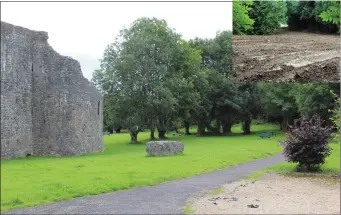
273, 133
266, 134
106, 133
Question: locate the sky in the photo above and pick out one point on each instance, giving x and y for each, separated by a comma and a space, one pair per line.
82, 30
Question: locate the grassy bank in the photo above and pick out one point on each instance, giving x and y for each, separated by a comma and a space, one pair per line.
38, 180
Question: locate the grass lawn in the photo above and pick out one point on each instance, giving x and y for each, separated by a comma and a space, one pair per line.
332, 165
38, 180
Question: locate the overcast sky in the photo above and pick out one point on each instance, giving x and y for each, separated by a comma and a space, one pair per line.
82, 30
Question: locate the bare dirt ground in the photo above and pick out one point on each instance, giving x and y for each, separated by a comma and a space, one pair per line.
287, 57
273, 194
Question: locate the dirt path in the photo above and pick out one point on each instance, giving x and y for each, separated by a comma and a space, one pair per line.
287, 57
274, 194
166, 198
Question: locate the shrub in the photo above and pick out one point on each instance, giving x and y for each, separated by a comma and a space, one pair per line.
307, 143
335, 118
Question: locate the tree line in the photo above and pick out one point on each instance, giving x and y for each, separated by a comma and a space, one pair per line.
152, 78
266, 17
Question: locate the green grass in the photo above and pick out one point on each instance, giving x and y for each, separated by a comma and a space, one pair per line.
189, 210
332, 165
217, 191
38, 180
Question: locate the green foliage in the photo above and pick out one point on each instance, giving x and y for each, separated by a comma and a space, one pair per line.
331, 166
312, 99
41, 180
332, 13
285, 102
241, 20
323, 16
268, 16
335, 118
307, 143
149, 74
279, 102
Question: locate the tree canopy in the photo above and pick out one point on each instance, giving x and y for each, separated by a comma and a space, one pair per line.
265, 17
153, 79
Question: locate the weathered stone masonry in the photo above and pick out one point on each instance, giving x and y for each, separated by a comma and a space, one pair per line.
47, 106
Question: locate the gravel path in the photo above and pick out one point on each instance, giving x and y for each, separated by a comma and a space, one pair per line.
274, 194
165, 198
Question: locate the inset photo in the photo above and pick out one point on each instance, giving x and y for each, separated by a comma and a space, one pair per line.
286, 41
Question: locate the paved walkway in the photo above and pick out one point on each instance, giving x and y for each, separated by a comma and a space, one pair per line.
165, 198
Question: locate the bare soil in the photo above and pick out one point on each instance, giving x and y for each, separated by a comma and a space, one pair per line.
287, 57
274, 194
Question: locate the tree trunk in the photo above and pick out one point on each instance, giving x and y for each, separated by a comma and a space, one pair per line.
152, 134
247, 126
133, 137
285, 124
118, 130
201, 127
176, 130
227, 128
187, 125
162, 134
219, 126
110, 129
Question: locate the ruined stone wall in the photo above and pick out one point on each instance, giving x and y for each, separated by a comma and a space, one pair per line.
66, 116
16, 91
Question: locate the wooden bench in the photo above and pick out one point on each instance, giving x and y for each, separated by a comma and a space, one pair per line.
266, 135
106, 133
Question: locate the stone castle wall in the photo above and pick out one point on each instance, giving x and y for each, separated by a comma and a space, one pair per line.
47, 106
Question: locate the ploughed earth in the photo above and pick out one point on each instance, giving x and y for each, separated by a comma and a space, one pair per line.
287, 57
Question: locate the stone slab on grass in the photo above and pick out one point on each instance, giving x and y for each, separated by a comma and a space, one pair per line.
159, 148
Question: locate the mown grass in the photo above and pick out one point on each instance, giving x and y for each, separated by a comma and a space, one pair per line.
332, 165
38, 180
217, 191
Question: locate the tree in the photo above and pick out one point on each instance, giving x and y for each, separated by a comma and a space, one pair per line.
322, 16
332, 13
250, 104
140, 63
152, 74
187, 86
279, 101
268, 16
314, 98
241, 20
217, 101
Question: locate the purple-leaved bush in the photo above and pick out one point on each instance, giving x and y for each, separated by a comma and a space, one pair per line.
307, 143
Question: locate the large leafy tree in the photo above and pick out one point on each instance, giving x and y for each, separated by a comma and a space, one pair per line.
279, 102
329, 12
149, 73
314, 98
318, 15
218, 97
250, 104
268, 16
241, 20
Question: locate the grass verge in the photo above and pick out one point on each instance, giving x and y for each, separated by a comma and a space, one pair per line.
189, 210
